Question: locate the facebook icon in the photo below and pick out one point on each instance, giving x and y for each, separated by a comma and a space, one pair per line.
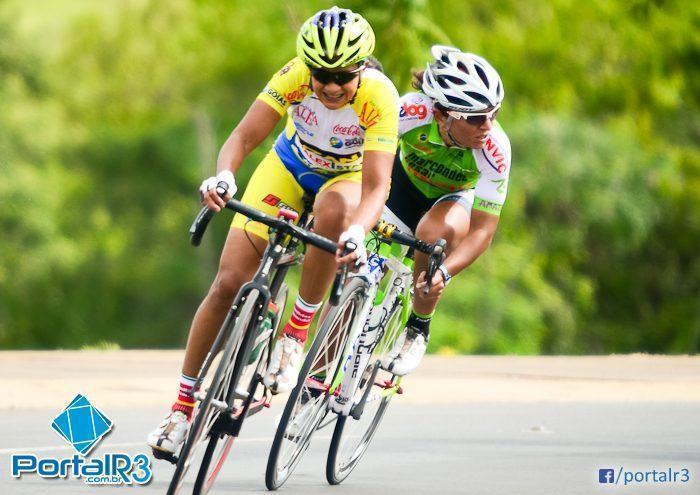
606, 475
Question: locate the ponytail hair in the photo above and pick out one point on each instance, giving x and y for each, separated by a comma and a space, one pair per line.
417, 79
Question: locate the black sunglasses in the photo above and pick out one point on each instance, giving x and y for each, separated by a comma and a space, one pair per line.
481, 119
340, 78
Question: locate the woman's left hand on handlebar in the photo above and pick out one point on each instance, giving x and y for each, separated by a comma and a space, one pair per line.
437, 286
355, 235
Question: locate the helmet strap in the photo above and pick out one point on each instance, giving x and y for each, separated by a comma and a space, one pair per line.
448, 127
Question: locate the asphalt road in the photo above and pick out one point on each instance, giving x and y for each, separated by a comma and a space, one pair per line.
520, 443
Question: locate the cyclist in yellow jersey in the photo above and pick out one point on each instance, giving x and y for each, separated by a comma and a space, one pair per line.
339, 143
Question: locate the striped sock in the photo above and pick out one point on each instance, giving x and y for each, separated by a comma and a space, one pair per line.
185, 396
303, 314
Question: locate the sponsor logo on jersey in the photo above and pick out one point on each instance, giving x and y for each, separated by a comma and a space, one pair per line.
319, 162
298, 93
489, 206
369, 115
303, 130
306, 114
285, 69
335, 142
356, 141
349, 130
429, 169
494, 156
419, 111
278, 97
500, 185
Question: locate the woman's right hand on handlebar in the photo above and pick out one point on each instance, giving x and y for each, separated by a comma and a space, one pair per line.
216, 191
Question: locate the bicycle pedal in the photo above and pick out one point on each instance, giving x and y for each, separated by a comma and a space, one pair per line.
164, 456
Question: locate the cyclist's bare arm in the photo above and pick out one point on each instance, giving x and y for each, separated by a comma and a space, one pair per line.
376, 174
255, 126
481, 231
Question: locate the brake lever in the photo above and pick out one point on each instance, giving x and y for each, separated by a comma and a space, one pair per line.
339, 281
436, 257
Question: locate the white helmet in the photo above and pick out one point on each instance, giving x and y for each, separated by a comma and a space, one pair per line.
463, 82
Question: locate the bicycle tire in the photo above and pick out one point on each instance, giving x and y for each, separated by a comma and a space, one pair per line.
194, 436
355, 293
337, 467
205, 477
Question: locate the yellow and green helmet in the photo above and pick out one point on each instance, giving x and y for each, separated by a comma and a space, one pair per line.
335, 38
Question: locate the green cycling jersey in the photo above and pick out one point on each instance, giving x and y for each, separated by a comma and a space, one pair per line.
436, 169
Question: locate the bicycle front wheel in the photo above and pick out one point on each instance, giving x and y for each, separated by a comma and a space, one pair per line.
220, 445
214, 401
306, 405
353, 434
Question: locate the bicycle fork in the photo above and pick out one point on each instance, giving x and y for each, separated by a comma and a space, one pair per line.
374, 318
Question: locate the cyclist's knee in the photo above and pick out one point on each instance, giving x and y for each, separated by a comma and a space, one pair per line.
226, 286
431, 231
332, 212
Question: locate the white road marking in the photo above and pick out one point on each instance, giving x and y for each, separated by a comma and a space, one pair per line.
112, 446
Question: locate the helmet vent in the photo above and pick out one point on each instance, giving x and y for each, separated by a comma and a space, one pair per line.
453, 79
457, 101
482, 75
478, 97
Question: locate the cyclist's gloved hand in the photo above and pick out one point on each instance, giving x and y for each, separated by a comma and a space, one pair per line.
215, 191
356, 236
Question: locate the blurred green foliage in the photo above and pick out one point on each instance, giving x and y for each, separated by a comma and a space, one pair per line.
113, 112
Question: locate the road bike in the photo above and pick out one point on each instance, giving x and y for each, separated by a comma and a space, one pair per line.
342, 379
240, 353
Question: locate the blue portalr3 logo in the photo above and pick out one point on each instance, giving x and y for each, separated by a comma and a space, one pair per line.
81, 424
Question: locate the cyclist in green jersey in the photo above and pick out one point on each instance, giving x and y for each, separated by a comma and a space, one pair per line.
449, 180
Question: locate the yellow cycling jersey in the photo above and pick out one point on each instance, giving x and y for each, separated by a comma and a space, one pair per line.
330, 142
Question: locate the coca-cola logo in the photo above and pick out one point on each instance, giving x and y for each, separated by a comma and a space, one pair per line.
350, 130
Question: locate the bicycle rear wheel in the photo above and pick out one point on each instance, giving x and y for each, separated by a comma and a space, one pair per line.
306, 405
352, 434
210, 408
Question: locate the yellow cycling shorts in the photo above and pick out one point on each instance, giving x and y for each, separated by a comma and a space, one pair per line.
272, 187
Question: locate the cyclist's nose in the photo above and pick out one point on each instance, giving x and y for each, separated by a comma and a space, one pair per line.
487, 125
332, 87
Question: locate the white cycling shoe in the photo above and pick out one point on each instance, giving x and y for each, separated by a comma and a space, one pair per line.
282, 374
407, 352
170, 433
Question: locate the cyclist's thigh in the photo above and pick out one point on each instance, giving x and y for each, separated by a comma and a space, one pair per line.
239, 258
337, 199
270, 188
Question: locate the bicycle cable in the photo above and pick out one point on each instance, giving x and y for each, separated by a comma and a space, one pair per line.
250, 239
